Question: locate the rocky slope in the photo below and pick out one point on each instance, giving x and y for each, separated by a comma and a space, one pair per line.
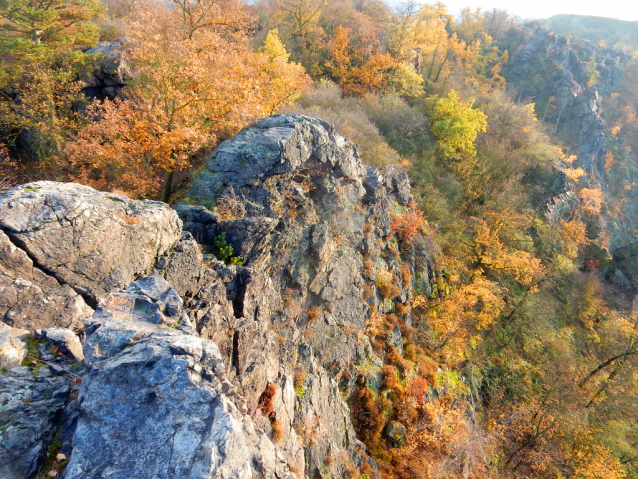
192, 368
558, 78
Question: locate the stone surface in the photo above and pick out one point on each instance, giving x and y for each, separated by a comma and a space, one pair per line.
124, 317
322, 421
66, 342
30, 407
157, 409
112, 71
182, 266
12, 349
95, 242
32, 299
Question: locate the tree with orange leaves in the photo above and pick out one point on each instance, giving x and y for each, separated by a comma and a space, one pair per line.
196, 79
356, 72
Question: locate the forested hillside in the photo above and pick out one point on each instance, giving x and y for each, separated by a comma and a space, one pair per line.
517, 354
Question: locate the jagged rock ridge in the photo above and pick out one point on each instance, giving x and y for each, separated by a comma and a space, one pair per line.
183, 353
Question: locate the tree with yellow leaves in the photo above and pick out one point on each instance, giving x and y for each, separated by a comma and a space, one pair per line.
456, 124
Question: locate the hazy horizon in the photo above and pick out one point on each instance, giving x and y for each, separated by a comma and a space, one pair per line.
548, 8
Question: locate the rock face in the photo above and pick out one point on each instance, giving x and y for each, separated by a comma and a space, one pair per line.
193, 368
32, 298
111, 73
317, 222
548, 71
83, 238
30, 408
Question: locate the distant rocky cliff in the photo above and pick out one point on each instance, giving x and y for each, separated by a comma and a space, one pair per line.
189, 367
559, 79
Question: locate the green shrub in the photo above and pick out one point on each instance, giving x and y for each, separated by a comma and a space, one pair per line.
224, 252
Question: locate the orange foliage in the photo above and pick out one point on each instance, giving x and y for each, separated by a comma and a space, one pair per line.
409, 224
196, 79
356, 72
127, 150
265, 402
440, 440
591, 200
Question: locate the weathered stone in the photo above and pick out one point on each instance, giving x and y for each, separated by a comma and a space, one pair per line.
322, 420
95, 242
182, 266
32, 299
395, 432
66, 342
30, 408
125, 317
157, 410
12, 349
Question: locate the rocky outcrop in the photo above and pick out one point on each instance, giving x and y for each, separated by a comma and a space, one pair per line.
316, 221
195, 368
317, 232
91, 241
549, 72
112, 71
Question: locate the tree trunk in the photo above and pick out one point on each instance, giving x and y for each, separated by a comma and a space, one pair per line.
168, 186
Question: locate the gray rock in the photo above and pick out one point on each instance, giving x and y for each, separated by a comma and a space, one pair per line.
31, 298
395, 432
125, 317
322, 420
275, 146
112, 71
66, 341
307, 198
12, 349
182, 266
95, 242
157, 410
30, 409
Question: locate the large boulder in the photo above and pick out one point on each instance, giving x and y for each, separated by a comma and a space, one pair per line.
33, 299
157, 405
94, 242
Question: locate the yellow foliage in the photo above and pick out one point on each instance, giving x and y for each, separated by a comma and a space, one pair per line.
456, 124
574, 173
591, 200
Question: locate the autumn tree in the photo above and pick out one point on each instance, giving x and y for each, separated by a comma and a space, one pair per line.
456, 124
196, 80
41, 55
357, 72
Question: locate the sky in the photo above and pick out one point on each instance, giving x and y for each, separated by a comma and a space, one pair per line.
621, 9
